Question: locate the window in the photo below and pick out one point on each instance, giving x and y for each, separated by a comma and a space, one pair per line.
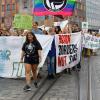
2, 19
25, 4
46, 17
8, 7
2, 8
13, 6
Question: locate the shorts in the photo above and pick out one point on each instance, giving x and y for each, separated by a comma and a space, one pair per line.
31, 60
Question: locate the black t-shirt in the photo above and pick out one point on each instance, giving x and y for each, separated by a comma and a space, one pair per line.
31, 49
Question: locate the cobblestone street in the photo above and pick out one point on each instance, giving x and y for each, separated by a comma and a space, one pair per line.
95, 77
49, 49
67, 87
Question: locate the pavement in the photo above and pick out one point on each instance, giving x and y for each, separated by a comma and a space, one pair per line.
12, 89
68, 87
83, 79
95, 77
71, 87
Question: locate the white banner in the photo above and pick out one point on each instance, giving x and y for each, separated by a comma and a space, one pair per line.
10, 52
91, 42
68, 49
62, 24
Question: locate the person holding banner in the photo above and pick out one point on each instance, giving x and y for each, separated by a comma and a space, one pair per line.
51, 56
35, 29
58, 30
31, 52
67, 29
75, 28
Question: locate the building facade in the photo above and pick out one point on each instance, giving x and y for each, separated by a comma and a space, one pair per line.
93, 14
79, 14
25, 6
8, 8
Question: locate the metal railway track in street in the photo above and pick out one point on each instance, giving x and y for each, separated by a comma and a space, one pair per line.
78, 86
83, 81
43, 88
46, 86
90, 79
89, 97
93, 77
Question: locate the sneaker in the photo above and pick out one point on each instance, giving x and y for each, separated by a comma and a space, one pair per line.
27, 88
52, 76
69, 71
74, 68
35, 83
39, 76
49, 76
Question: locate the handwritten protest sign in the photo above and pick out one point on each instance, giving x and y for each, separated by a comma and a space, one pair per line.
68, 49
91, 42
63, 41
85, 27
10, 54
22, 21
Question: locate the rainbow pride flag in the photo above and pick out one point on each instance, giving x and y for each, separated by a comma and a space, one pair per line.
53, 7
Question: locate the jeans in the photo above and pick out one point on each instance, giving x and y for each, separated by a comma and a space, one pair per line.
51, 64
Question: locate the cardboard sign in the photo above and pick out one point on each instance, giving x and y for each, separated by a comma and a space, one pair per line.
23, 21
